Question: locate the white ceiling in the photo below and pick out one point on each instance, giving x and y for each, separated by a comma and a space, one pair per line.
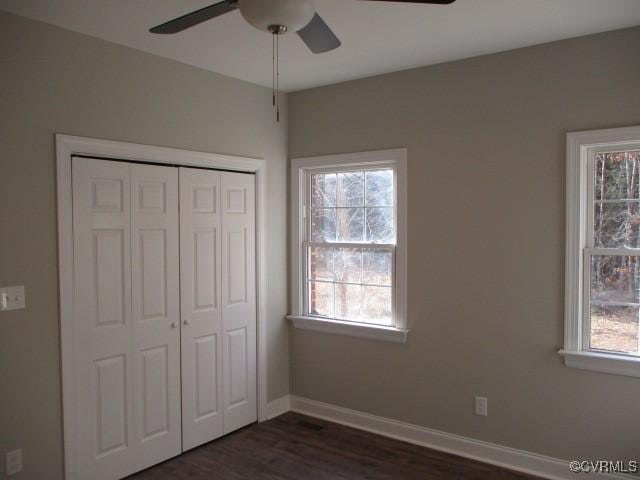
377, 37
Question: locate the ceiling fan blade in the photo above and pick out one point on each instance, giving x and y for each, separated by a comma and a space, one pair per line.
194, 18
426, 2
318, 36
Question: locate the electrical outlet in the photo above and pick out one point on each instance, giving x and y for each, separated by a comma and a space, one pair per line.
13, 461
482, 406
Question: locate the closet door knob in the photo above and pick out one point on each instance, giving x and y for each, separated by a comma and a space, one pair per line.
186, 322
173, 325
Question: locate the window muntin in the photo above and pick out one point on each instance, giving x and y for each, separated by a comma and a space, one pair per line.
612, 254
350, 247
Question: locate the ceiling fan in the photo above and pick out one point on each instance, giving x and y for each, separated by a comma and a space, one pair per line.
276, 17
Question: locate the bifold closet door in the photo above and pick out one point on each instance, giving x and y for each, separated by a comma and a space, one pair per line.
218, 306
200, 253
238, 205
155, 301
126, 330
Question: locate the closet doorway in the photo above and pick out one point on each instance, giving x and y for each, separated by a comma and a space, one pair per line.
161, 318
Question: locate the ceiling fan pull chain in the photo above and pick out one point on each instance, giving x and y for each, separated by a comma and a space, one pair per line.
277, 79
275, 72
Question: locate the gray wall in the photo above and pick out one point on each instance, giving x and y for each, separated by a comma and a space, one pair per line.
55, 81
486, 143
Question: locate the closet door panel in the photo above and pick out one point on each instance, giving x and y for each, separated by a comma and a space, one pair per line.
156, 314
103, 357
200, 253
238, 299
164, 314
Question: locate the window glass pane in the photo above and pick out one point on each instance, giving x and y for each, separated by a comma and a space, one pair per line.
376, 267
323, 190
323, 225
348, 298
377, 305
615, 279
614, 328
351, 283
380, 225
614, 303
348, 265
351, 189
617, 175
321, 263
379, 188
321, 299
350, 224
617, 224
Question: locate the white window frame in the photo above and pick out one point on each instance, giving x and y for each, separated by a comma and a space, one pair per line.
581, 149
300, 170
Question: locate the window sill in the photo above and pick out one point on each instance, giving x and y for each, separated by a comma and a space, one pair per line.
360, 330
602, 362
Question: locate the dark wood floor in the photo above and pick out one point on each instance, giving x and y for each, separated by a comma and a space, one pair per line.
296, 447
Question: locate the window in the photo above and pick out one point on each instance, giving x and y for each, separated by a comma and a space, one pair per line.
348, 243
602, 329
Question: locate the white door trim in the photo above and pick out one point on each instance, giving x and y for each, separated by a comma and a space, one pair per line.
66, 146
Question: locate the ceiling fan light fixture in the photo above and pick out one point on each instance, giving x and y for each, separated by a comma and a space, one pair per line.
276, 17
267, 14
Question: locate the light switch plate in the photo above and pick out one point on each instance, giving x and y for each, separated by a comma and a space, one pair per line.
12, 298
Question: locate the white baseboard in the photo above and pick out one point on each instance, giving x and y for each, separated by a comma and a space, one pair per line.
278, 407
511, 458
